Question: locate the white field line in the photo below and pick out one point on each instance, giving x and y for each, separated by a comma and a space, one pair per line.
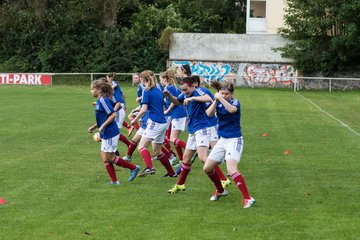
331, 116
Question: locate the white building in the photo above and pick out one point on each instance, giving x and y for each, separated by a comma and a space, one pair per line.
265, 16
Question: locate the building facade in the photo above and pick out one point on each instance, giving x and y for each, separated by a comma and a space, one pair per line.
265, 16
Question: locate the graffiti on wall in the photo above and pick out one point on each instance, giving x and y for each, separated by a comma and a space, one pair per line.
243, 73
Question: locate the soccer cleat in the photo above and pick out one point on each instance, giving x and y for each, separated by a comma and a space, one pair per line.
248, 202
172, 159
176, 188
168, 176
225, 183
147, 171
127, 158
216, 196
130, 130
134, 173
154, 158
194, 157
114, 183
117, 153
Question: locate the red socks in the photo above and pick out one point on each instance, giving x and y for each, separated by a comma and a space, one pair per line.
124, 140
179, 146
220, 173
185, 169
145, 154
168, 131
131, 148
165, 151
179, 143
125, 124
168, 146
240, 183
165, 162
111, 171
216, 180
122, 163
136, 126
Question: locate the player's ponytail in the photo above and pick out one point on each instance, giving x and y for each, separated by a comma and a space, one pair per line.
216, 85
149, 77
222, 86
111, 75
170, 77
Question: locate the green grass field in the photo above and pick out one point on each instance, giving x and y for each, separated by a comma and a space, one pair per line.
54, 182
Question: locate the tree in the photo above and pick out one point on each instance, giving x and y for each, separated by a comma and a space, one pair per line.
324, 35
110, 35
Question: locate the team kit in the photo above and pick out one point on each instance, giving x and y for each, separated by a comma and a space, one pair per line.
166, 108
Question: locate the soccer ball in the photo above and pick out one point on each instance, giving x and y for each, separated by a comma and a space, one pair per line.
96, 137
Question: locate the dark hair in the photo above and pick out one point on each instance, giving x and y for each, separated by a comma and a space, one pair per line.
104, 87
187, 80
112, 75
222, 86
196, 79
187, 69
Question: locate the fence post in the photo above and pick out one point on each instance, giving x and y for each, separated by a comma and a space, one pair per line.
330, 85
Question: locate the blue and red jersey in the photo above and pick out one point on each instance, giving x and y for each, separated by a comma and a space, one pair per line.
229, 123
104, 108
197, 118
155, 103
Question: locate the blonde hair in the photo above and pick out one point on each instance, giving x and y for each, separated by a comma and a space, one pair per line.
104, 87
149, 77
170, 76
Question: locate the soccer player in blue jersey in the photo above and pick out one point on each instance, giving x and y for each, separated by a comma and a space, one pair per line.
108, 129
213, 131
119, 96
199, 131
177, 114
140, 129
152, 103
136, 81
230, 144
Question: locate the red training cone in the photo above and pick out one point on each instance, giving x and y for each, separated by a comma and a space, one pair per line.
2, 201
287, 152
265, 135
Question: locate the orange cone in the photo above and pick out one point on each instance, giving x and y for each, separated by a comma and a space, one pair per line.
287, 152
265, 135
2, 201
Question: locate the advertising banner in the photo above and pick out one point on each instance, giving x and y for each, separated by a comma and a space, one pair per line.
25, 79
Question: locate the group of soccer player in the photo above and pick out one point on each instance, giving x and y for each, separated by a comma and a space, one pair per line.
213, 121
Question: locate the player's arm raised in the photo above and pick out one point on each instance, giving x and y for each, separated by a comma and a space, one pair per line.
212, 108
171, 97
230, 108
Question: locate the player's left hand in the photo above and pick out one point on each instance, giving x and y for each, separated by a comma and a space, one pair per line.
187, 101
217, 95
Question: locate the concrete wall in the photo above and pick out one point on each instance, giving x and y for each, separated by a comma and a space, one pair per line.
227, 47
